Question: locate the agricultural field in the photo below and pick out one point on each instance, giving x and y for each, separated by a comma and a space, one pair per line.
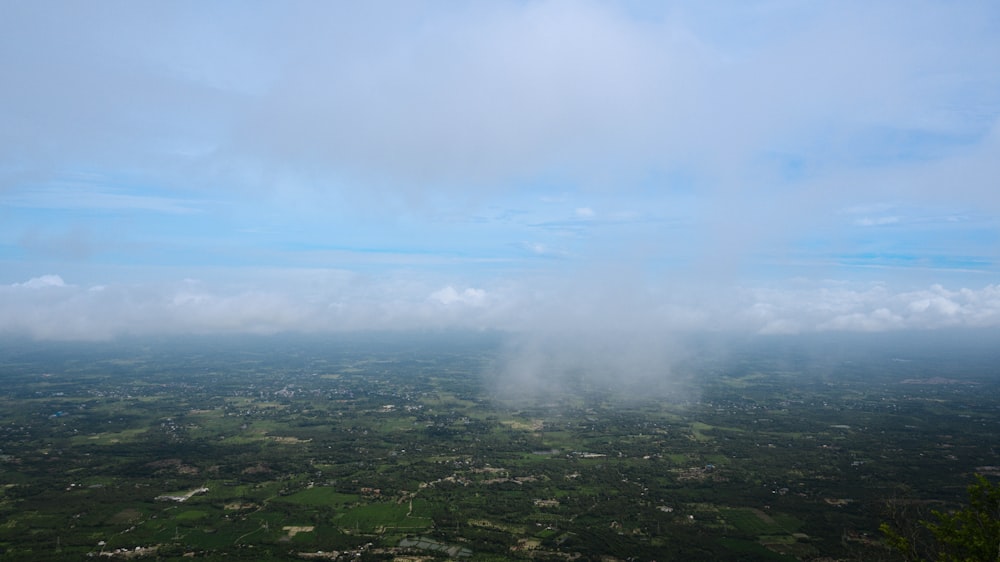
383, 447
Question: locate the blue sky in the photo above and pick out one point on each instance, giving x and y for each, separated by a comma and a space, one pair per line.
758, 167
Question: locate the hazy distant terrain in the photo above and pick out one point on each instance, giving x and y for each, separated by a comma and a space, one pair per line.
530, 279
395, 445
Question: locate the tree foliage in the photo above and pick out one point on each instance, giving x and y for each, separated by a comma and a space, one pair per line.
970, 534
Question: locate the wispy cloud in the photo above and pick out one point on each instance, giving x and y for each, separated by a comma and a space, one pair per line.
585, 165
83, 197
876, 221
332, 300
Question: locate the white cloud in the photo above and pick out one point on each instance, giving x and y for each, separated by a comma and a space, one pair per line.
469, 296
320, 301
42, 281
731, 131
413, 98
876, 221
873, 308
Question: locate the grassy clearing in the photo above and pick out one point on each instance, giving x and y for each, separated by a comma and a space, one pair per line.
756, 522
787, 522
562, 440
522, 425
750, 521
718, 460
321, 495
744, 381
396, 424
379, 516
191, 515
680, 459
109, 438
754, 551
698, 430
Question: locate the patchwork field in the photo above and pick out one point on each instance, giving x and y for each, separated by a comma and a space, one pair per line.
384, 450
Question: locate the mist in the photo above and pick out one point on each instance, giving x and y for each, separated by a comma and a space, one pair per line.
602, 182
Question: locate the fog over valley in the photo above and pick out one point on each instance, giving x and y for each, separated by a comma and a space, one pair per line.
542, 168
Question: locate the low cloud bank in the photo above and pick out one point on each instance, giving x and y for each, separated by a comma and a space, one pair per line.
873, 309
563, 341
49, 307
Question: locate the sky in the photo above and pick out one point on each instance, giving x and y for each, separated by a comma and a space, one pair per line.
610, 170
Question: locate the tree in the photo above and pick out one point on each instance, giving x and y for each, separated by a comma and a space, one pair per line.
971, 534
